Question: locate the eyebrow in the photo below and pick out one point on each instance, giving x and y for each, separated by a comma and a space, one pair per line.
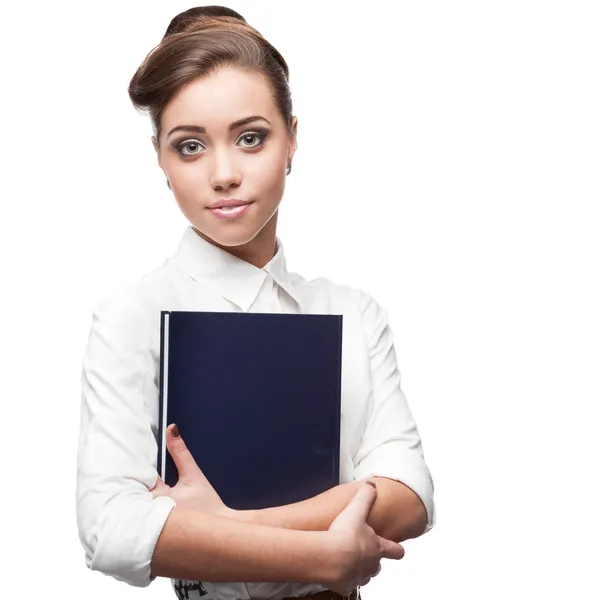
234, 125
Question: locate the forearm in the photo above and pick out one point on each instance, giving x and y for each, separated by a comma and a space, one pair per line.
396, 513
313, 514
199, 546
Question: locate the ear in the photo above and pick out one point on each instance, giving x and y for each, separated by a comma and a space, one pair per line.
155, 144
293, 141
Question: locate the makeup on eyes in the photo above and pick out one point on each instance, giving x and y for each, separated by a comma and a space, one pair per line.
260, 133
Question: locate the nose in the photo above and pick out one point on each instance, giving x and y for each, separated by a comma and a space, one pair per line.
224, 172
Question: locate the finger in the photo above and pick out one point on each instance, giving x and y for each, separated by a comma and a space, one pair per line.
184, 461
365, 582
390, 549
376, 572
360, 505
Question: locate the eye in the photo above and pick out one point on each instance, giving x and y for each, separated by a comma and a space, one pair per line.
253, 135
193, 145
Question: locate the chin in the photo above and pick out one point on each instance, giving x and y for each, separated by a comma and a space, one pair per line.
228, 235
234, 233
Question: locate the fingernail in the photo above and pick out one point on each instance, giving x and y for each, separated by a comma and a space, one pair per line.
372, 484
175, 431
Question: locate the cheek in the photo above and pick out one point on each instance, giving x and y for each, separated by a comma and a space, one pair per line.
271, 185
190, 185
270, 172
186, 174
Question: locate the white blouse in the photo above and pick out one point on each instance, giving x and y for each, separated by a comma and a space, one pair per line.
119, 522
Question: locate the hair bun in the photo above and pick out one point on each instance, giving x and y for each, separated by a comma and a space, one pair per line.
191, 19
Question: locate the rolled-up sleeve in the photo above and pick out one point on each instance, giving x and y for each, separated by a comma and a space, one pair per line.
391, 445
118, 520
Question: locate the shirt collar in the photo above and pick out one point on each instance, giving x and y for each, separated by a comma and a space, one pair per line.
233, 278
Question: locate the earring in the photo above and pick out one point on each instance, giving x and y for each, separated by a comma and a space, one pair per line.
289, 169
169, 184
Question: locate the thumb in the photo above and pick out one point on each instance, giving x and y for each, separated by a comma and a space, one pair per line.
359, 507
390, 549
184, 461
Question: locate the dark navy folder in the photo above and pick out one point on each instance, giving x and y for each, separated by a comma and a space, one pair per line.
256, 397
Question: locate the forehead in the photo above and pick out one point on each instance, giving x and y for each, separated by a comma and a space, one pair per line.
218, 99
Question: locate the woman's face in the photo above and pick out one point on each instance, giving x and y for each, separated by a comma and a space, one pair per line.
207, 157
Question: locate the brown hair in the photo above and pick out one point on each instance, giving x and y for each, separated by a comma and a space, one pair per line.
197, 42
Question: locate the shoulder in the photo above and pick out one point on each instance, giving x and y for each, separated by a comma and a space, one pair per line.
344, 298
131, 308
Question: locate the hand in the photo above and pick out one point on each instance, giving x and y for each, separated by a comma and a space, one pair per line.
192, 490
359, 549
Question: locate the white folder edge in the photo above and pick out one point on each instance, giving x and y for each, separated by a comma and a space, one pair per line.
165, 399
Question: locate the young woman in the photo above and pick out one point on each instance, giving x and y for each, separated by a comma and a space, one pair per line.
218, 97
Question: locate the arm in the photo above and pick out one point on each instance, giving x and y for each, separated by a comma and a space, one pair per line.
390, 450
197, 545
401, 514
118, 520
313, 514
317, 514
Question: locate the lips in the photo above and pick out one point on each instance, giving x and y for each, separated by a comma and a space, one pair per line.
230, 202
231, 213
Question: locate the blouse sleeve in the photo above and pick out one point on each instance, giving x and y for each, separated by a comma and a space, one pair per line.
118, 520
391, 445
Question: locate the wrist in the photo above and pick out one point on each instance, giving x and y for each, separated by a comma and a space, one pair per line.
329, 559
230, 513
248, 516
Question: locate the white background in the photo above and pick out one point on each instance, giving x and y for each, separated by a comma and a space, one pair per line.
447, 163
